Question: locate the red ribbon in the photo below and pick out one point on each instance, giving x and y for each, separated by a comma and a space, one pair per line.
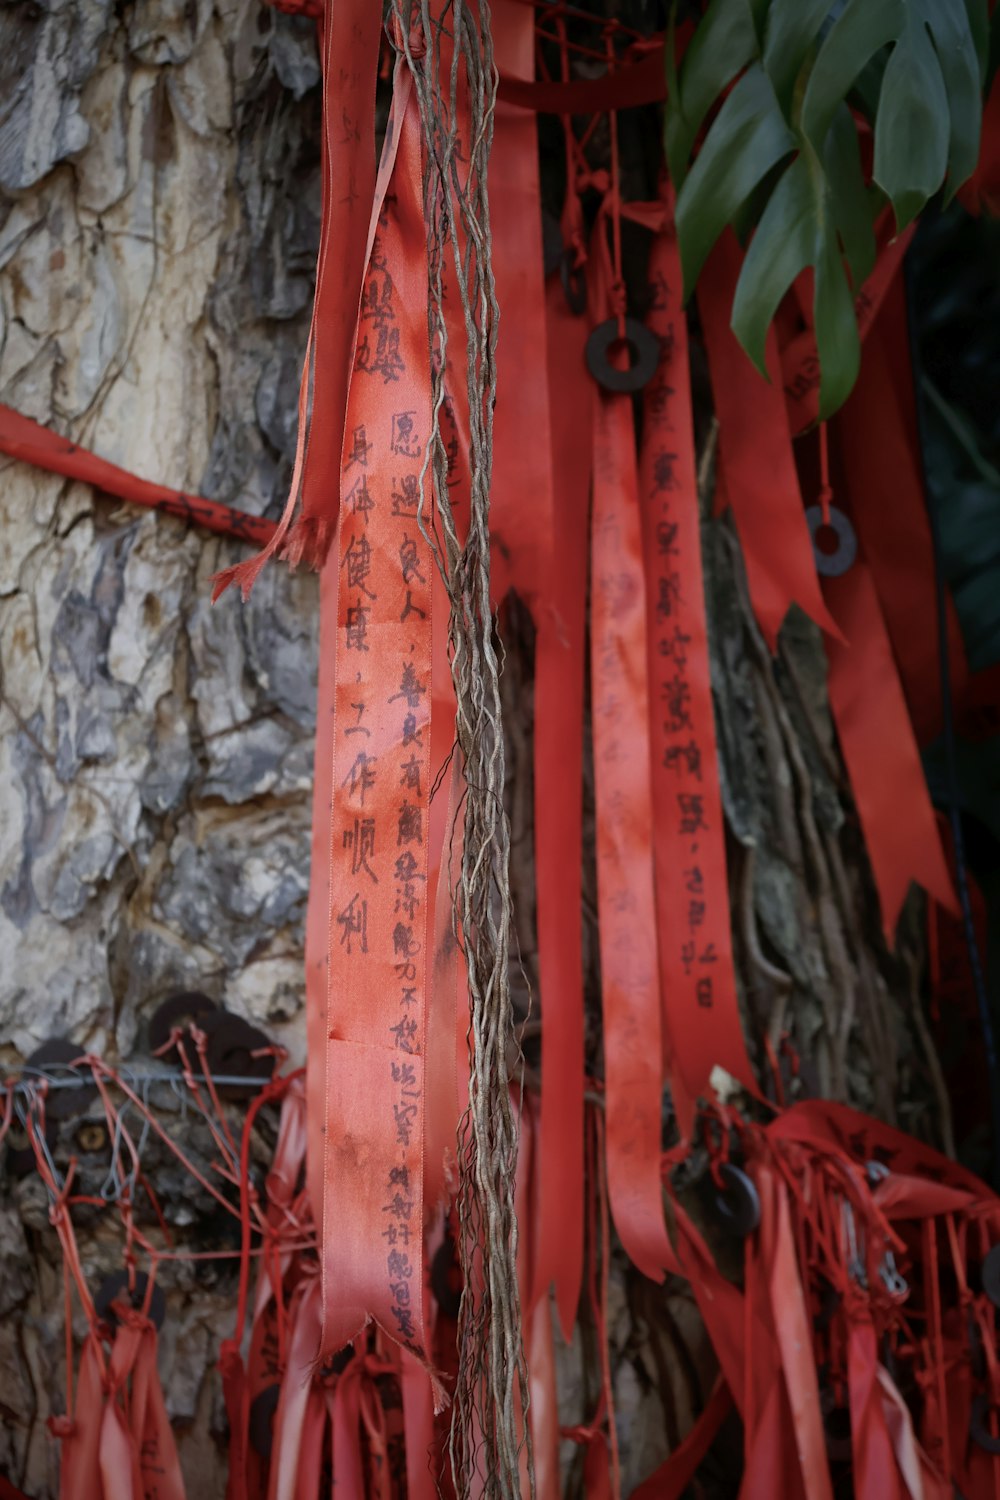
558, 765
799, 357
877, 456
756, 463
31, 443
633, 1054
521, 497
350, 37
700, 1008
373, 1105
880, 751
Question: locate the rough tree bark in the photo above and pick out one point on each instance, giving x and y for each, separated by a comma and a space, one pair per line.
158, 225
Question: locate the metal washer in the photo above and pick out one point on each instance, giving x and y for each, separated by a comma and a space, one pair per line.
644, 344
833, 564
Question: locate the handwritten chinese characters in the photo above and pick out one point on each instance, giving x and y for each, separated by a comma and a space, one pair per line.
696, 974
381, 787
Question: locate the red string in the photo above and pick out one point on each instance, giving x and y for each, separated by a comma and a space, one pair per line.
825, 488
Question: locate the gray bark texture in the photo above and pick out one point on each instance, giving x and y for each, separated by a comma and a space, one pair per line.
159, 201
158, 228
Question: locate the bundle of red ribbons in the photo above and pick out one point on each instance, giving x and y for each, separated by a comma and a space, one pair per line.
861, 1331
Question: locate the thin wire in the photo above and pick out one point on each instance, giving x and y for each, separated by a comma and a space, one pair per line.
950, 745
174, 1077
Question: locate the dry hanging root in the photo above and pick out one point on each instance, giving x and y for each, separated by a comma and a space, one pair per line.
451, 57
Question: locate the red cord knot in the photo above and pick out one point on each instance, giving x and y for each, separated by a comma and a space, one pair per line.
417, 41
599, 179
581, 1434
61, 1427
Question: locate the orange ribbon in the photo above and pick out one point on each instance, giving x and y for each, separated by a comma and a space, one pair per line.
633, 1054
558, 765
373, 1106
700, 1008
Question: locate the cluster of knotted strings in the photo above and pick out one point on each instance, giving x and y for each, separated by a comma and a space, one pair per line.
451, 58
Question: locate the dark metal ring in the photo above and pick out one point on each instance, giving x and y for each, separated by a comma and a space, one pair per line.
231, 1045
263, 1409
574, 283
738, 1204
645, 347
989, 1275
833, 564
978, 1429
115, 1288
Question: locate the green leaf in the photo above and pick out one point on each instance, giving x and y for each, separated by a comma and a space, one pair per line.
864, 28
723, 44
758, 11
852, 203
911, 128
784, 152
782, 247
960, 62
978, 13
838, 342
798, 229
747, 138
792, 28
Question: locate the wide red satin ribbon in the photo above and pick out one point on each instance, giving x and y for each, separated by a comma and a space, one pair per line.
876, 465
880, 751
756, 463
701, 1015
350, 38
521, 525
560, 616
373, 1213
633, 1054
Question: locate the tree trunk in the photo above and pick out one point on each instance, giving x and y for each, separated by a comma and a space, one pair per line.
159, 222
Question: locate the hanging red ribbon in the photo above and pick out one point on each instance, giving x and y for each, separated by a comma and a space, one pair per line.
756, 463
799, 357
700, 1008
880, 752
350, 37
373, 1105
877, 456
521, 496
633, 1053
558, 768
